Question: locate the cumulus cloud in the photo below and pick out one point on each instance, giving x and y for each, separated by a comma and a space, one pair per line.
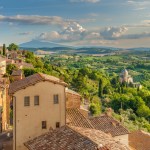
89, 1
113, 32
73, 31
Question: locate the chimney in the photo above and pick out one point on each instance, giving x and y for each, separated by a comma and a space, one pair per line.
109, 112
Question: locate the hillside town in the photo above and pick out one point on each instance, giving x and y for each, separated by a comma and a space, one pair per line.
43, 113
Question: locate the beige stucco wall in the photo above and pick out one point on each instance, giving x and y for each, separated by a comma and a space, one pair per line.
124, 139
73, 100
3, 67
29, 119
4, 102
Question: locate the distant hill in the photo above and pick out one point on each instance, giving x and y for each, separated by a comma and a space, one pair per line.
140, 49
35, 45
41, 44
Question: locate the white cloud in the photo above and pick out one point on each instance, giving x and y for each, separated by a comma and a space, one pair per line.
143, 23
89, 1
71, 32
113, 32
35, 19
139, 4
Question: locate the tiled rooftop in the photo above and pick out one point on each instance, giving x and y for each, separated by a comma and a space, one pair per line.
24, 65
33, 79
16, 73
75, 118
108, 124
2, 59
72, 92
74, 138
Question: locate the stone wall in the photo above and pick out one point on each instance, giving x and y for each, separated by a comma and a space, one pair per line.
73, 100
139, 140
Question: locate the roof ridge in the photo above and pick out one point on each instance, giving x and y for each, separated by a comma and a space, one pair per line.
32, 80
41, 75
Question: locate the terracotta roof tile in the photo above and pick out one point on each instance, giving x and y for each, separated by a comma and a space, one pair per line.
16, 73
2, 58
108, 124
31, 80
76, 118
74, 138
24, 65
101, 138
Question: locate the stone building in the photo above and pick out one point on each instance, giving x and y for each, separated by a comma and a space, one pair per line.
125, 77
2, 65
48, 116
17, 75
5, 105
4, 98
73, 100
38, 106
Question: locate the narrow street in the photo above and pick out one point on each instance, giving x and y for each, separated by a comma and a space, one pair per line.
6, 141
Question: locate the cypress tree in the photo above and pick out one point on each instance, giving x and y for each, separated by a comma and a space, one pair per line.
100, 89
4, 49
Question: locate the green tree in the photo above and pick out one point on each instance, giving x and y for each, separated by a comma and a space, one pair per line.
28, 71
143, 111
4, 49
101, 87
10, 68
13, 46
95, 106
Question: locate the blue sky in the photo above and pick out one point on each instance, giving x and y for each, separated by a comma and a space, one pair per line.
117, 23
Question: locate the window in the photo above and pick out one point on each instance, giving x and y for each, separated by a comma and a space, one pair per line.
43, 124
57, 124
56, 99
36, 100
26, 101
